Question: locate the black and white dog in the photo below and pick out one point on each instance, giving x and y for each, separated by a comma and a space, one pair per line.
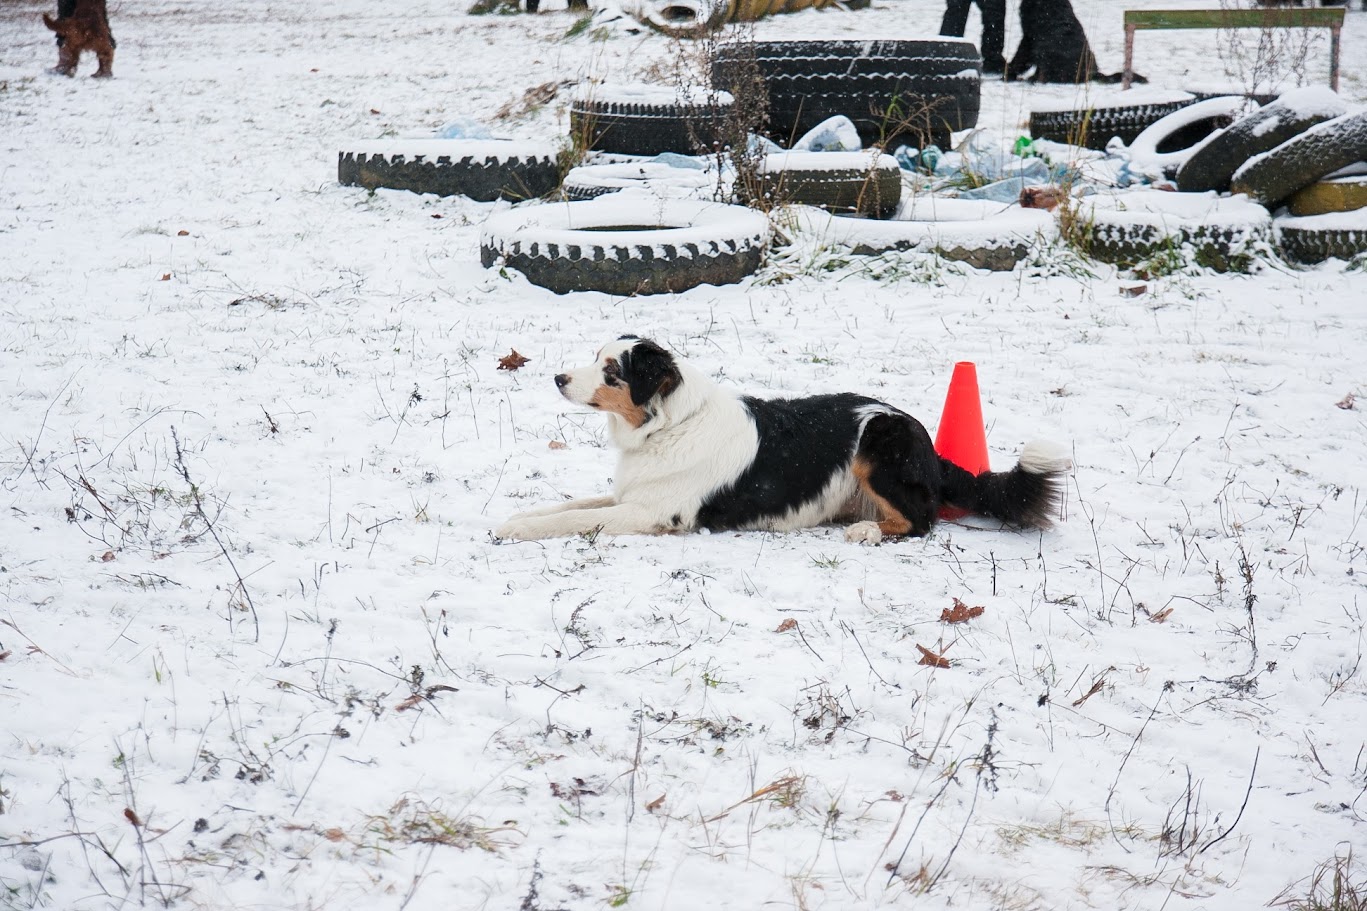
695, 455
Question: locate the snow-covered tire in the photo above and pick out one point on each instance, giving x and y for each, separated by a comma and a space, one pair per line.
1315, 238
482, 169
627, 244
650, 119
1095, 126
982, 234
1333, 194
914, 90
1300, 161
1212, 164
866, 183
1163, 146
1131, 228
653, 177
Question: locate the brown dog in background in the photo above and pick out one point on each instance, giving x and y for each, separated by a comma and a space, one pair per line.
82, 25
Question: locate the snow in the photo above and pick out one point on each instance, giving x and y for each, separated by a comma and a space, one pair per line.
1098, 98
781, 162
1353, 220
652, 94
680, 222
1160, 208
197, 322
928, 221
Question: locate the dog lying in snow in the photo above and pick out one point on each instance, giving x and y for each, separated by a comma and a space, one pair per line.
695, 455
82, 25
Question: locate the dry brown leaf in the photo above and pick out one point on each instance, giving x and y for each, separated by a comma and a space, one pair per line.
107, 556
373, 111
960, 613
182, 233
166, 276
556, 444
656, 803
930, 659
5, 654
408, 703
786, 625
512, 361
334, 834
132, 817
1162, 616
1347, 403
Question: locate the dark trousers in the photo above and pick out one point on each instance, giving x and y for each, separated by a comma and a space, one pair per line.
994, 28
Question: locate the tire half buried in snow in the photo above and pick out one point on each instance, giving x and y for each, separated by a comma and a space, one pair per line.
627, 243
482, 169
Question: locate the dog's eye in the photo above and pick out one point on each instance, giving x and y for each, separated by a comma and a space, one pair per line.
611, 369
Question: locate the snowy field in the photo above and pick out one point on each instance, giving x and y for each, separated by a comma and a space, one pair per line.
258, 649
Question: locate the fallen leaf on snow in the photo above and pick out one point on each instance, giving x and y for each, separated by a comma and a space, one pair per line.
786, 625
5, 654
960, 613
512, 361
182, 233
166, 276
107, 556
1161, 616
556, 444
930, 659
1347, 403
656, 803
334, 834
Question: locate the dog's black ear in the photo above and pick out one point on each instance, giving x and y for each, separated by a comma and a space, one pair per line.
649, 370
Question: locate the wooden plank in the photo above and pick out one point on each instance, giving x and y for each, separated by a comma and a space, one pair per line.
1235, 18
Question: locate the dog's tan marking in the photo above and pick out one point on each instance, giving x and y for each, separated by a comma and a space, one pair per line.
890, 518
617, 399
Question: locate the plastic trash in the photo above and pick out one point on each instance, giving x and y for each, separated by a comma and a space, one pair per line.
675, 160
463, 128
835, 134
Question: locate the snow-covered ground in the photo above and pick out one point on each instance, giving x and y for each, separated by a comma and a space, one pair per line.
258, 650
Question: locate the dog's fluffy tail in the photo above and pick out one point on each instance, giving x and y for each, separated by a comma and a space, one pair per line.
1027, 495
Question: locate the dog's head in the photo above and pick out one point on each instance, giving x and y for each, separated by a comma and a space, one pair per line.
627, 376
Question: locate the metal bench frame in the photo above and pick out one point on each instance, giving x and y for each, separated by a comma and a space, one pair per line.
1331, 19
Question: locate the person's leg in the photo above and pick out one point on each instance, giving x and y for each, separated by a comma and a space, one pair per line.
956, 18
994, 35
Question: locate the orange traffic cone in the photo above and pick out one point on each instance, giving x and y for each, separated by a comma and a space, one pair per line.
961, 437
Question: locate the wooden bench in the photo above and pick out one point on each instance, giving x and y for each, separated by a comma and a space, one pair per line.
1331, 19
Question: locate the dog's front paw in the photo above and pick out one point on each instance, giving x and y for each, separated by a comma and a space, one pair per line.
515, 529
864, 533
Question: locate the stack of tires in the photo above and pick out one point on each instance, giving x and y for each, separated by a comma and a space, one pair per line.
1302, 157
914, 92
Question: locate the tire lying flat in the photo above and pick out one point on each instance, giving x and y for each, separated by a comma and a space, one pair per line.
482, 169
1333, 194
648, 119
1129, 228
916, 91
1316, 238
659, 179
862, 182
1124, 116
627, 243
